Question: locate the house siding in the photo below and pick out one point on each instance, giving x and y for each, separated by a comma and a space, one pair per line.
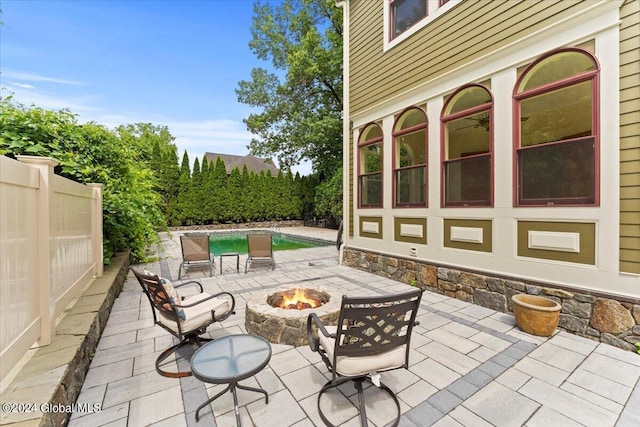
466, 32
630, 137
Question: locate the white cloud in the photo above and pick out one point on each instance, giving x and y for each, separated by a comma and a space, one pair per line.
22, 85
32, 77
27, 94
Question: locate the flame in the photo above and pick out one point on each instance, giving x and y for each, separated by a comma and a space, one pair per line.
299, 300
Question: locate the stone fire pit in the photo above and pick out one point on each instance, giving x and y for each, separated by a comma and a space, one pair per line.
287, 326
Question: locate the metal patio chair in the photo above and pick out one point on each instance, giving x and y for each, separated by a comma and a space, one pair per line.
372, 336
186, 318
195, 252
259, 250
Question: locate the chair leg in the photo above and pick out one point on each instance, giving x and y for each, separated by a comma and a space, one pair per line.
363, 406
363, 411
168, 352
246, 265
328, 386
196, 341
180, 270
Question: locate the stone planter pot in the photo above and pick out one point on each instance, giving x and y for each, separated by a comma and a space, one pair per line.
535, 314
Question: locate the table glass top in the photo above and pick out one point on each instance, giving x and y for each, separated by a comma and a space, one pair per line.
230, 358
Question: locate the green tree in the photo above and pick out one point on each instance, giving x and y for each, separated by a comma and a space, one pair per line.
169, 179
217, 198
92, 153
328, 197
245, 202
270, 200
195, 193
184, 193
204, 191
235, 196
301, 114
259, 196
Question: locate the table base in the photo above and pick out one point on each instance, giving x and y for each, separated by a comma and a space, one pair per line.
232, 387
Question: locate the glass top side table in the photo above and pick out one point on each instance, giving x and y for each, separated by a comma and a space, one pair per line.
228, 360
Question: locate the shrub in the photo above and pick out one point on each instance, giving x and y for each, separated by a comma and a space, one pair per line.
91, 153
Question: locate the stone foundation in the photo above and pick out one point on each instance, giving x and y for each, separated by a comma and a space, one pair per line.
600, 318
287, 326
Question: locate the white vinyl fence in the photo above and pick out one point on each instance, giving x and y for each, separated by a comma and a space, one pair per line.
50, 248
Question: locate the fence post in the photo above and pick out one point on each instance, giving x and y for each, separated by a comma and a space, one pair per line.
45, 166
96, 228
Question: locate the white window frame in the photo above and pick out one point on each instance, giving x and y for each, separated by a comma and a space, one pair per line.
433, 12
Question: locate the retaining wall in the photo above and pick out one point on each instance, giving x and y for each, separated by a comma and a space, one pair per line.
603, 318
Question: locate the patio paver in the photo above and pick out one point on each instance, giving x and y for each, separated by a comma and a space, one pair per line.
469, 365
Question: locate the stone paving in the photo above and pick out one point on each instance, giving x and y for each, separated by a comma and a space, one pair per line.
469, 365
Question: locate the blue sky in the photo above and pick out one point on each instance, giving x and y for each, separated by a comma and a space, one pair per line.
174, 63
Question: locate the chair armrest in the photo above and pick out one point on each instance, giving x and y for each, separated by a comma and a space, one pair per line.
219, 294
190, 283
314, 342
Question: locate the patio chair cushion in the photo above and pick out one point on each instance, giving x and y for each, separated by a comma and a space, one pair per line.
172, 293
199, 314
362, 365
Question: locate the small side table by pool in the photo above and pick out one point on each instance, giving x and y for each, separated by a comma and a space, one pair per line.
228, 360
230, 254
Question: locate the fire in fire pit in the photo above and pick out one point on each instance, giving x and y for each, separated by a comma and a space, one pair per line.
281, 317
298, 299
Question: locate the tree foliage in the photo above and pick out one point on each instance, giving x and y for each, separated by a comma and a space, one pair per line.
213, 197
91, 153
328, 197
301, 112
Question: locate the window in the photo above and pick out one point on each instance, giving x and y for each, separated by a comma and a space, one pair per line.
556, 146
405, 13
410, 158
404, 18
467, 122
370, 166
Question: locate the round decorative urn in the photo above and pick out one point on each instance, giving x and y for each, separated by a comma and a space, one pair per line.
536, 315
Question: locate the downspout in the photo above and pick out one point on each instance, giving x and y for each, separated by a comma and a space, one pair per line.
344, 5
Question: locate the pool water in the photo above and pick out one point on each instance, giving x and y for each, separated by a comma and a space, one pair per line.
237, 242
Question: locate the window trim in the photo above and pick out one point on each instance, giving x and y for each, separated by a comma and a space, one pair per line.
444, 119
518, 97
395, 169
362, 144
389, 42
391, 23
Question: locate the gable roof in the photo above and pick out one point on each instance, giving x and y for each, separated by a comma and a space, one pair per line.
254, 164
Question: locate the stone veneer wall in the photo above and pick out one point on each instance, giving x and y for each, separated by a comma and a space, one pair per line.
600, 318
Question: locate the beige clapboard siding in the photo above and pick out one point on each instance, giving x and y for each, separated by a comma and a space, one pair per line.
630, 137
630, 180
468, 31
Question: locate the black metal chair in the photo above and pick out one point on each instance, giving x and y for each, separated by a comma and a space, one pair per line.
186, 318
372, 336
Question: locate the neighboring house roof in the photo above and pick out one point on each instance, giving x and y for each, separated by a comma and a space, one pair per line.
254, 164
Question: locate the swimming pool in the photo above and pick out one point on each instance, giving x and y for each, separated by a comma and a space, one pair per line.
237, 242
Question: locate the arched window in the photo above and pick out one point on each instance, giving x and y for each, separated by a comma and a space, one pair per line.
410, 158
370, 166
556, 130
467, 147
